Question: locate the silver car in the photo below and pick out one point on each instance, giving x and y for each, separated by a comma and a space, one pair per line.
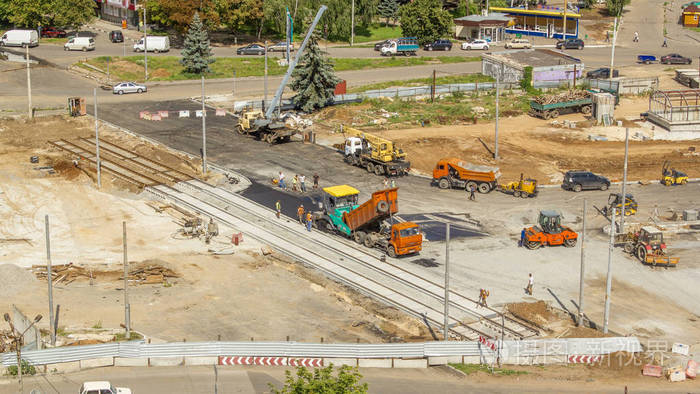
281, 47
128, 87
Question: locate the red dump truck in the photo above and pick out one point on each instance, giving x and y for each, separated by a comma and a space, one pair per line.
366, 223
455, 173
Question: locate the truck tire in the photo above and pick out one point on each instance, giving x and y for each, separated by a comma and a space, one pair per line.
586, 109
641, 253
369, 241
629, 247
516, 193
554, 113
370, 167
378, 170
239, 128
391, 251
444, 183
382, 207
469, 185
484, 188
359, 237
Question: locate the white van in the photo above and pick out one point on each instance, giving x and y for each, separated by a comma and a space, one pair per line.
154, 44
80, 44
20, 38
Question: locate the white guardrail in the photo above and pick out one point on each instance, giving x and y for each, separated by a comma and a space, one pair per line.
557, 349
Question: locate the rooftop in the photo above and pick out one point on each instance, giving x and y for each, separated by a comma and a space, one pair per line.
535, 57
494, 16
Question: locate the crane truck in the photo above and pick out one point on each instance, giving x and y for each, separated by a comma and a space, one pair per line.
376, 154
267, 125
339, 213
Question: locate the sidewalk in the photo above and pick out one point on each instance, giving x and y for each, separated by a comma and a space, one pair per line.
104, 26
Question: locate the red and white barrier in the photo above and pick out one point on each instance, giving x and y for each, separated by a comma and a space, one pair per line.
269, 361
584, 359
652, 370
488, 343
184, 114
163, 114
220, 112
144, 115
305, 362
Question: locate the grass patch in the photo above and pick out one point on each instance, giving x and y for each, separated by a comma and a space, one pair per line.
376, 32
473, 368
55, 40
121, 336
695, 29
97, 325
168, 68
466, 78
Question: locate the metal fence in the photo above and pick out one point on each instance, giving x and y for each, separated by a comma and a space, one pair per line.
139, 349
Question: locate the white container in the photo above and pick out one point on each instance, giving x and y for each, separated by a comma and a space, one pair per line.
80, 44
20, 38
153, 44
680, 348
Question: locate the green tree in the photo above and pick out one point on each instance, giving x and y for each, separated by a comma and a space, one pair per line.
388, 9
424, 19
178, 14
32, 13
237, 14
72, 13
196, 54
322, 381
615, 7
314, 78
28, 13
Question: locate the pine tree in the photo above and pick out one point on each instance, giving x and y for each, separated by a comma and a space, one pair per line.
389, 9
196, 55
314, 78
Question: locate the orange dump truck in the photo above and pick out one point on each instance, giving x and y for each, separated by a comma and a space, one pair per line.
366, 223
455, 173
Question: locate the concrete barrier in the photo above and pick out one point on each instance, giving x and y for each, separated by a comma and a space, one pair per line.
352, 362
71, 366
97, 362
442, 360
415, 363
130, 362
471, 359
166, 361
374, 363
550, 360
213, 360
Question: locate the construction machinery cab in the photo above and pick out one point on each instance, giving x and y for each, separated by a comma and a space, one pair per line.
671, 176
652, 237
615, 201
247, 118
550, 222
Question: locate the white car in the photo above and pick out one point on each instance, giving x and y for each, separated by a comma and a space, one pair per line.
476, 44
103, 387
128, 87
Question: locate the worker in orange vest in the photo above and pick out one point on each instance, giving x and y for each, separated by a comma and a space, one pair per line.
300, 213
483, 293
309, 221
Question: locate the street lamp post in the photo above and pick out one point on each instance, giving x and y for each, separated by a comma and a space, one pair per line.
17, 339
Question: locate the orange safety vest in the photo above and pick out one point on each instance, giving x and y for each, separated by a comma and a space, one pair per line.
309, 217
300, 211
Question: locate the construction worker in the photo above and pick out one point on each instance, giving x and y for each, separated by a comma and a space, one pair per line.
393, 183
483, 294
522, 237
302, 183
315, 181
665, 44
636, 37
472, 189
386, 183
530, 283
300, 213
281, 183
309, 221
278, 208
295, 183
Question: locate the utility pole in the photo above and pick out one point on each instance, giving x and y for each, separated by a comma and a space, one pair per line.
612, 55
204, 130
446, 335
583, 268
352, 24
608, 282
145, 43
432, 91
564, 26
265, 80
498, 82
29, 88
127, 307
233, 93
49, 280
288, 34
624, 182
97, 143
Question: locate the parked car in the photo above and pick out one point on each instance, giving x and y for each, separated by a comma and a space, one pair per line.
602, 73
674, 58
80, 44
378, 46
103, 387
251, 49
476, 44
570, 43
584, 180
438, 45
280, 47
128, 87
20, 38
153, 44
116, 36
52, 32
518, 43
647, 59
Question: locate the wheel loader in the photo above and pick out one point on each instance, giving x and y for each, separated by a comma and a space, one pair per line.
671, 176
648, 246
550, 232
525, 187
615, 201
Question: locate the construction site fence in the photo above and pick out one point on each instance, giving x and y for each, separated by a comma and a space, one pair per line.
506, 349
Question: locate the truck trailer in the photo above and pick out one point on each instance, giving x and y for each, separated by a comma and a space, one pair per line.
371, 223
455, 173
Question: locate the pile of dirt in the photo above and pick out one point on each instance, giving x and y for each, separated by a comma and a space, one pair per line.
623, 363
65, 168
584, 332
537, 313
15, 279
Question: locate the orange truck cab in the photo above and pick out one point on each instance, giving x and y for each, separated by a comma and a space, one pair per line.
455, 173
406, 238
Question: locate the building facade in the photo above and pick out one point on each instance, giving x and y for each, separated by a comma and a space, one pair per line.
489, 27
541, 22
691, 16
548, 66
118, 10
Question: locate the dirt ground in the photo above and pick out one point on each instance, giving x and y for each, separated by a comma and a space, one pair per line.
540, 150
213, 294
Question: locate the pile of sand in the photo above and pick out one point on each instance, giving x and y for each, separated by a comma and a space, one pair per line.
15, 280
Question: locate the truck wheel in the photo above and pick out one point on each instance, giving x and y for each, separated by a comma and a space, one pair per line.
379, 170
270, 138
629, 247
524, 195
391, 251
516, 193
554, 113
370, 167
369, 241
382, 207
469, 185
239, 128
546, 115
484, 188
586, 110
359, 237
444, 183
641, 253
